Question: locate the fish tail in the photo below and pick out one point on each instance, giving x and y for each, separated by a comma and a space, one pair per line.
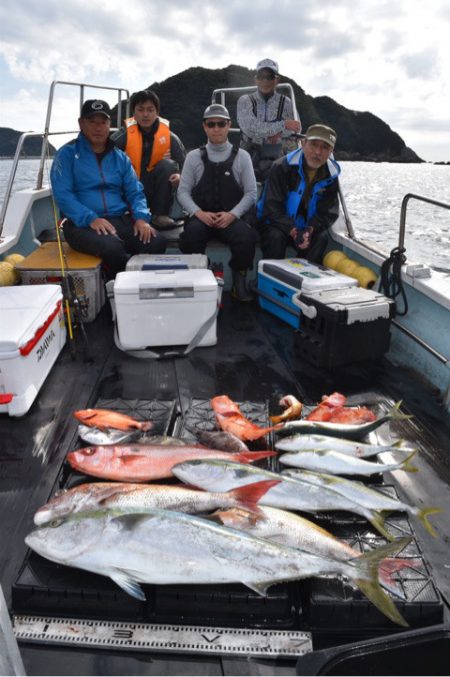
396, 415
406, 464
369, 565
250, 494
423, 515
251, 456
377, 520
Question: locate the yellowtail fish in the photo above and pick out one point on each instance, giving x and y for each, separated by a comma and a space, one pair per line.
166, 547
301, 442
335, 463
353, 431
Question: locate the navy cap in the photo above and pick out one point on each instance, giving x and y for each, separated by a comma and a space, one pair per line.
94, 107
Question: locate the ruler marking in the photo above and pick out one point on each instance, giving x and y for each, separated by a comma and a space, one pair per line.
198, 639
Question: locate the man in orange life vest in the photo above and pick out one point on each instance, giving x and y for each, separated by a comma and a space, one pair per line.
156, 153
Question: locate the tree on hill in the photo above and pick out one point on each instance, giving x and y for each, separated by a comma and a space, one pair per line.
31, 147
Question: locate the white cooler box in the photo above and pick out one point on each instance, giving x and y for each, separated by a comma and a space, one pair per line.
164, 307
280, 280
32, 334
165, 261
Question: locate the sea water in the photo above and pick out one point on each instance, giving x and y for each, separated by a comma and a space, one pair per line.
373, 193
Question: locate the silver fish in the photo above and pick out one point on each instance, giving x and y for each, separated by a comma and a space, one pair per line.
314, 492
295, 531
166, 547
353, 431
96, 436
372, 503
123, 495
301, 442
335, 463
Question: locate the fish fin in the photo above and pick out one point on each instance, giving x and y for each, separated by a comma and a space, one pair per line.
400, 446
146, 425
370, 586
422, 515
127, 584
392, 565
251, 456
406, 465
250, 494
259, 588
377, 520
132, 458
395, 414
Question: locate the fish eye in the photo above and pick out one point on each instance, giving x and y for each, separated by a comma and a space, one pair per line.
55, 523
89, 451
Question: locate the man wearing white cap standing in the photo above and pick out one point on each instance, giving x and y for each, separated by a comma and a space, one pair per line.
266, 119
300, 198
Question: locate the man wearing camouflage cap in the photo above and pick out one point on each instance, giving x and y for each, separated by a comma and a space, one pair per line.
300, 199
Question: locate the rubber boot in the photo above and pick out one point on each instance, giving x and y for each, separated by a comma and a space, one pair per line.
239, 290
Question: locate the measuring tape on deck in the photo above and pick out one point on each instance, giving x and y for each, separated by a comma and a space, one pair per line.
168, 638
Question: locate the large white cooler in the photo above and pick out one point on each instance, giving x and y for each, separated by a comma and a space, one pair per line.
280, 280
164, 261
165, 307
32, 334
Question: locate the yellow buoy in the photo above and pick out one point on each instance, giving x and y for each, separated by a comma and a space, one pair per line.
366, 277
347, 266
14, 258
8, 276
332, 258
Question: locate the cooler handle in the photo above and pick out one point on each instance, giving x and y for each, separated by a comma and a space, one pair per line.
309, 311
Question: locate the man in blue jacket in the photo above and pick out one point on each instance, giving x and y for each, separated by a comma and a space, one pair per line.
97, 190
300, 199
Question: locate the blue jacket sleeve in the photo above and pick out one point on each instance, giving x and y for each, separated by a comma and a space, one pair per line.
62, 180
134, 191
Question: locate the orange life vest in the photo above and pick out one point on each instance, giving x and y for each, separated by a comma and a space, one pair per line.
133, 148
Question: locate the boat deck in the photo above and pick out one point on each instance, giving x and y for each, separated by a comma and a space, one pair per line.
253, 361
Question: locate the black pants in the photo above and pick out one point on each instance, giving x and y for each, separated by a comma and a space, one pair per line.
158, 190
115, 250
274, 242
239, 236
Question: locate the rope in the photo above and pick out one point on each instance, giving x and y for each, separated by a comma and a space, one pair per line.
391, 284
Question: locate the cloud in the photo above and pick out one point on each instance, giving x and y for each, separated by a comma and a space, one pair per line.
420, 65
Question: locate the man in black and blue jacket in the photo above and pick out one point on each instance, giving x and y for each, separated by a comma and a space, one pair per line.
300, 198
98, 192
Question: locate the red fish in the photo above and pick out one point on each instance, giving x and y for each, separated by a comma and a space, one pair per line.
327, 406
142, 463
230, 418
105, 418
352, 415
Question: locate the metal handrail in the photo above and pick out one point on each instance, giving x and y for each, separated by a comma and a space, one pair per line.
406, 199
47, 133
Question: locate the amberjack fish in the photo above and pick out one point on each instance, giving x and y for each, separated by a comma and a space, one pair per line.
101, 495
353, 431
290, 529
164, 547
335, 463
314, 492
142, 463
301, 442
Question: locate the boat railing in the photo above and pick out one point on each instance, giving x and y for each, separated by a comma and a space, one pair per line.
122, 95
405, 201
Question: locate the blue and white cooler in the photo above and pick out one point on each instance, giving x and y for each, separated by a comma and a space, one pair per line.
337, 322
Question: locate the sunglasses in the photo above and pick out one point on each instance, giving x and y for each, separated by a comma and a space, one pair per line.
220, 123
266, 77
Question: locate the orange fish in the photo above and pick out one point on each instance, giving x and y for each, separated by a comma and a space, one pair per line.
230, 418
352, 415
105, 418
143, 462
327, 406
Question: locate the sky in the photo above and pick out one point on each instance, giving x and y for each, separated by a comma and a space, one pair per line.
389, 57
